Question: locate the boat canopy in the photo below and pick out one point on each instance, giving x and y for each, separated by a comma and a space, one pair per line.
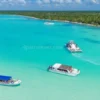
65, 67
62, 67
5, 78
57, 65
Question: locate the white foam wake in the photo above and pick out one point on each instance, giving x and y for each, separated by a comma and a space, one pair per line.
87, 59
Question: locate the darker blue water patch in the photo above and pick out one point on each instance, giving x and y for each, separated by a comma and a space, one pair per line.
94, 35
67, 24
92, 41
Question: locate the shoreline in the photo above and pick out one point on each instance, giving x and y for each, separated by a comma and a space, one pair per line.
80, 23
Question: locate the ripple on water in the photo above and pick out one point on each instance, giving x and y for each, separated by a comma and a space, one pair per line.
92, 40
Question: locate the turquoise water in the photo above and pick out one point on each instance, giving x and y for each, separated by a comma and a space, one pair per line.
28, 47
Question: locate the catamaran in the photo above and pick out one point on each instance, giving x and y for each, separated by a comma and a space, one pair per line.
72, 47
7, 80
64, 69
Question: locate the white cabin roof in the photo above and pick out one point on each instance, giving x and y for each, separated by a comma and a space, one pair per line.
56, 65
73, 46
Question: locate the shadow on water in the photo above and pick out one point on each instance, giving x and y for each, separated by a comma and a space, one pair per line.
10, 85
92, 41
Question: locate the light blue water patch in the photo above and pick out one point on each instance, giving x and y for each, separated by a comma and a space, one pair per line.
28, 47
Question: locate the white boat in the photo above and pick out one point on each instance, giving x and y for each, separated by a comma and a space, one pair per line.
72, 47
63, 69
49, 23
7, 80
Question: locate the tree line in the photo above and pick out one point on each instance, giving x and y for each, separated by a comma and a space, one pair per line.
82, 17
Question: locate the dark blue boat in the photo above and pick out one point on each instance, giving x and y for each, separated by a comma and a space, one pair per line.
7, 80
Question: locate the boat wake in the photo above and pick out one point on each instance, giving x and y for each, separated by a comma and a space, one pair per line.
87, 59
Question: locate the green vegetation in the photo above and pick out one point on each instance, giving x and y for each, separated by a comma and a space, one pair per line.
83, 17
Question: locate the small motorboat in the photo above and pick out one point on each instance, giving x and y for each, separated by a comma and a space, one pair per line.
7, 80
64, 69
49, 23
72, 47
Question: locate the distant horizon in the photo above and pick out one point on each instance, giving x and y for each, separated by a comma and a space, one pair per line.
51, 5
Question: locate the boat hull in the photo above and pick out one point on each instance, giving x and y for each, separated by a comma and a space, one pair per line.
16, 83
49, 23
74, 51
64, 73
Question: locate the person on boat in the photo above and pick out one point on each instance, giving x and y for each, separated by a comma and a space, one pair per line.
9, 81
12, 81
50, 67
72, 42
71, 70
69, 45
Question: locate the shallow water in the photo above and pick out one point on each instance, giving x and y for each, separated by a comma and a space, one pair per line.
28, 47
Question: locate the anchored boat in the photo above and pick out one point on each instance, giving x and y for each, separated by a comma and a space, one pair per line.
64, 69
49, 23
72, 47
7, 80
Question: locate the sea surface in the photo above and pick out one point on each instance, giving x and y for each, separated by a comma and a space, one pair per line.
28, 47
